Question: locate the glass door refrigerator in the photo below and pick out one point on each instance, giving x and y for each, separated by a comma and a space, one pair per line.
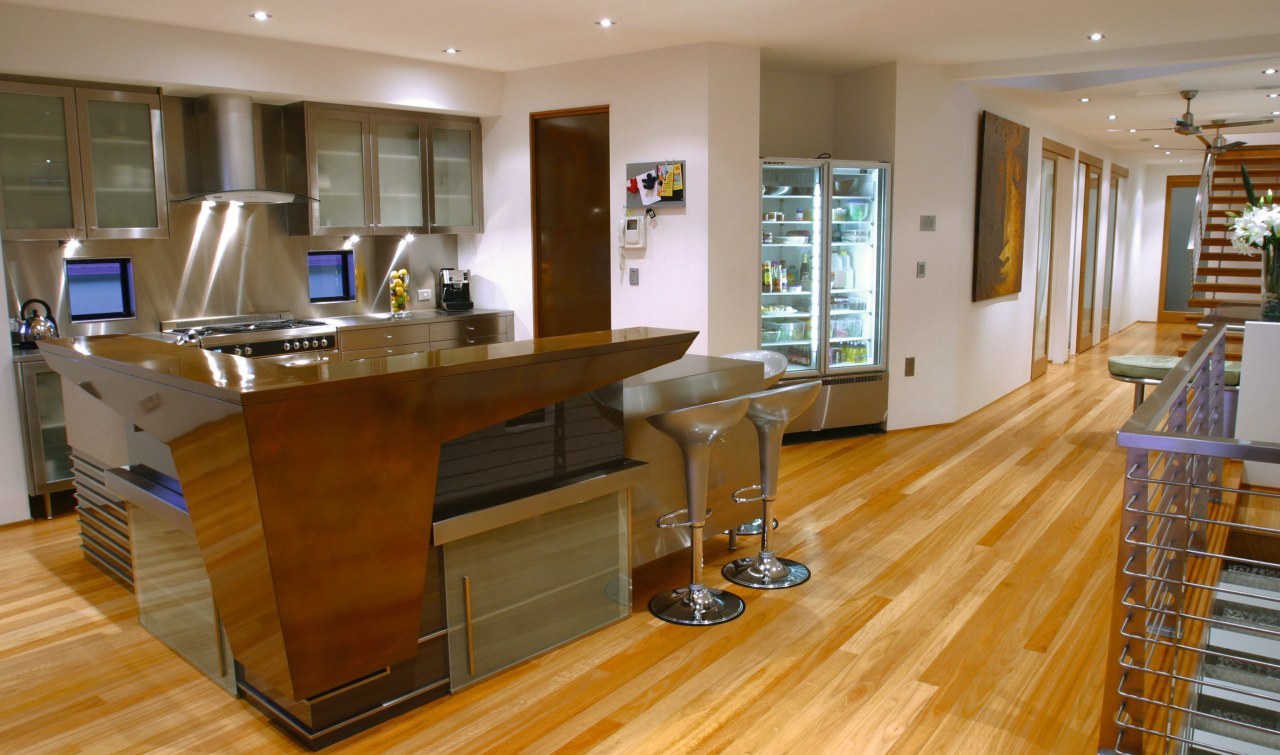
823, 285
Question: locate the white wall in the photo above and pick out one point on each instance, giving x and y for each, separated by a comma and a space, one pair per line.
697, 103
864, 114
797, 117
967, 354
13, 481
38, 42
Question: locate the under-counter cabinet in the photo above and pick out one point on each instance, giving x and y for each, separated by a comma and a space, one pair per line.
382, 171
413, 336
79, 162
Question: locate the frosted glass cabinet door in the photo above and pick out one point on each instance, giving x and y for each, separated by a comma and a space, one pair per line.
124, 173
341, 167
455, 177
39, 162
399, 165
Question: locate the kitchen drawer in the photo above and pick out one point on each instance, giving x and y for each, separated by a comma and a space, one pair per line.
391, 335
453, 343
490, 325
410, 348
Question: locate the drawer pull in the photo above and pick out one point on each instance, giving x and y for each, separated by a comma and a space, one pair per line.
389, 336
470, 326
466, 608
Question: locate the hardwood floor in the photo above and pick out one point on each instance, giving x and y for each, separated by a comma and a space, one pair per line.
961, 589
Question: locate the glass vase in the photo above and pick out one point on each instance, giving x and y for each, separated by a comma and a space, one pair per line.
1271, 280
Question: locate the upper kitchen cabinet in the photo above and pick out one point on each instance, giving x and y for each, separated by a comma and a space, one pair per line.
80, 162
455, 177
380, 171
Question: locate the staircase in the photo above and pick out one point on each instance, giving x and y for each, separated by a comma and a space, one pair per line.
1225, 275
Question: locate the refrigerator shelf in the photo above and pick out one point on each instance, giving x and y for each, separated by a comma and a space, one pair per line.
835, 312
848, 339
780, 315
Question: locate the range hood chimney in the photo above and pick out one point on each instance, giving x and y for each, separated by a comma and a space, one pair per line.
228, 148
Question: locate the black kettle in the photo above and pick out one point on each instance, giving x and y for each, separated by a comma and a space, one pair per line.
35, 325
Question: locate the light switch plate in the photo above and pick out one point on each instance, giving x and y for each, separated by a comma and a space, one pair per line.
633, 276
920, 269
424, 294
928, 222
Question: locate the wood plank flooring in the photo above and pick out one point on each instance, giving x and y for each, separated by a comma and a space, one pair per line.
959, 604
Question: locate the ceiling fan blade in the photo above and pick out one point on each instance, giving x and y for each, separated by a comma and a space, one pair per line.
1204, 141
1233, 124
1234, 145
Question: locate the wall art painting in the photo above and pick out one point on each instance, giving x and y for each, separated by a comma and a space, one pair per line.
1002, 208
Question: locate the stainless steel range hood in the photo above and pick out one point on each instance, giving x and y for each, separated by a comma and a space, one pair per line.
233, 151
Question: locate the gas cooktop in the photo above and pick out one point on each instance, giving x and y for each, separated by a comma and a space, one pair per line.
261, 338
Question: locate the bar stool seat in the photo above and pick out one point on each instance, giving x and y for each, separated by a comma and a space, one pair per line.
1149, 369
771, 411
694, 429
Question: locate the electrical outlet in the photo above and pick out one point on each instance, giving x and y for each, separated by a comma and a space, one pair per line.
910, 370
928, 222
633, 275
424, 294
920, 269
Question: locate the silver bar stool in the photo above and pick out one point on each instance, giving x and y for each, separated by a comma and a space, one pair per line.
771, 411
694, 429
774, 364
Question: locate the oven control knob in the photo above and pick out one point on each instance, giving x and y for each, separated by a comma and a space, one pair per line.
239, 351
248, 350
324, 342
306, 344
286, 345
296, 346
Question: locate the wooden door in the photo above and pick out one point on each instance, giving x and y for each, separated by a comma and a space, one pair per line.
1044, 267
1088, 251
1175, 262
571, 228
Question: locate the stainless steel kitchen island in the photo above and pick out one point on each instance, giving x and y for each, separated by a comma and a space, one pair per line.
311, 488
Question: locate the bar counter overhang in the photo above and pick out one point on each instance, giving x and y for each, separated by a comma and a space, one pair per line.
311, 487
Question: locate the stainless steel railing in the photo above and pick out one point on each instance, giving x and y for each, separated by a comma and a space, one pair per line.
1201, 217
1194, 660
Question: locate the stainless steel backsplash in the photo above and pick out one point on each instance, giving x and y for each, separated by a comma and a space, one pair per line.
222, 261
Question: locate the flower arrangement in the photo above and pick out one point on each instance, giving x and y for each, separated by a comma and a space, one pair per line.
1257, 229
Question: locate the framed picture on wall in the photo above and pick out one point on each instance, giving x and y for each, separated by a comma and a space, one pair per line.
1002, 207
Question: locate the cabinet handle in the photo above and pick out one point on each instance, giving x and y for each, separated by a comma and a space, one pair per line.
466, 608
389, 337
470, 327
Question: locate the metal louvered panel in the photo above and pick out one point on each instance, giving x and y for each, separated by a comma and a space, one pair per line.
104, 524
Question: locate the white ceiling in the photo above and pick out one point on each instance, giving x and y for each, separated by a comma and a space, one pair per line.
1035, 51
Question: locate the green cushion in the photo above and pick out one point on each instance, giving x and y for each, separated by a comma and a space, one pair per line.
1154, 367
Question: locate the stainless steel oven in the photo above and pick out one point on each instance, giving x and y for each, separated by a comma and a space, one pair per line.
44, 428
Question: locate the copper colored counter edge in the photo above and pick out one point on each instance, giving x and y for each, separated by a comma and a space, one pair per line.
248, 381
313, 510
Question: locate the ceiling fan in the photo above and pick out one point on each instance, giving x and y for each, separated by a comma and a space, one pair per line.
1186, 125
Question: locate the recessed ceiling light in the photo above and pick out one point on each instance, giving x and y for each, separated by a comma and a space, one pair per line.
1275, 112
1084, 99
1133, 130
1269, 71
1112, 117
260, 15
1097, 36
1273, 94
1167, 152
451, 50
1181, 160
606, 22
1155, 146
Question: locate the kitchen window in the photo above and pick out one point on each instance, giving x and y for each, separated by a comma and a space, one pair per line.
100, 289
331, 276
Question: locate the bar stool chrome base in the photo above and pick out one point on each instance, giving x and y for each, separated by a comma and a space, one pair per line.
752, 527
766, 571
697, 605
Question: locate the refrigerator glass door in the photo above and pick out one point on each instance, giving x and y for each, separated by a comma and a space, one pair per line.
854, 332
791, 276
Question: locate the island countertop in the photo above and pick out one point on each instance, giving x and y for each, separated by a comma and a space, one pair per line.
249, 381
311, 488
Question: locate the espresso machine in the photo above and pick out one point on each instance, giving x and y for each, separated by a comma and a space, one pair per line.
455, 290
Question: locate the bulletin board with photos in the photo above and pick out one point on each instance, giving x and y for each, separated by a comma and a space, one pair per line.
655, 184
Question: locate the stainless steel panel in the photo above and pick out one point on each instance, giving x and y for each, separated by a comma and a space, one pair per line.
44, 429
847, 401
392, 334
466, 327
220, 261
